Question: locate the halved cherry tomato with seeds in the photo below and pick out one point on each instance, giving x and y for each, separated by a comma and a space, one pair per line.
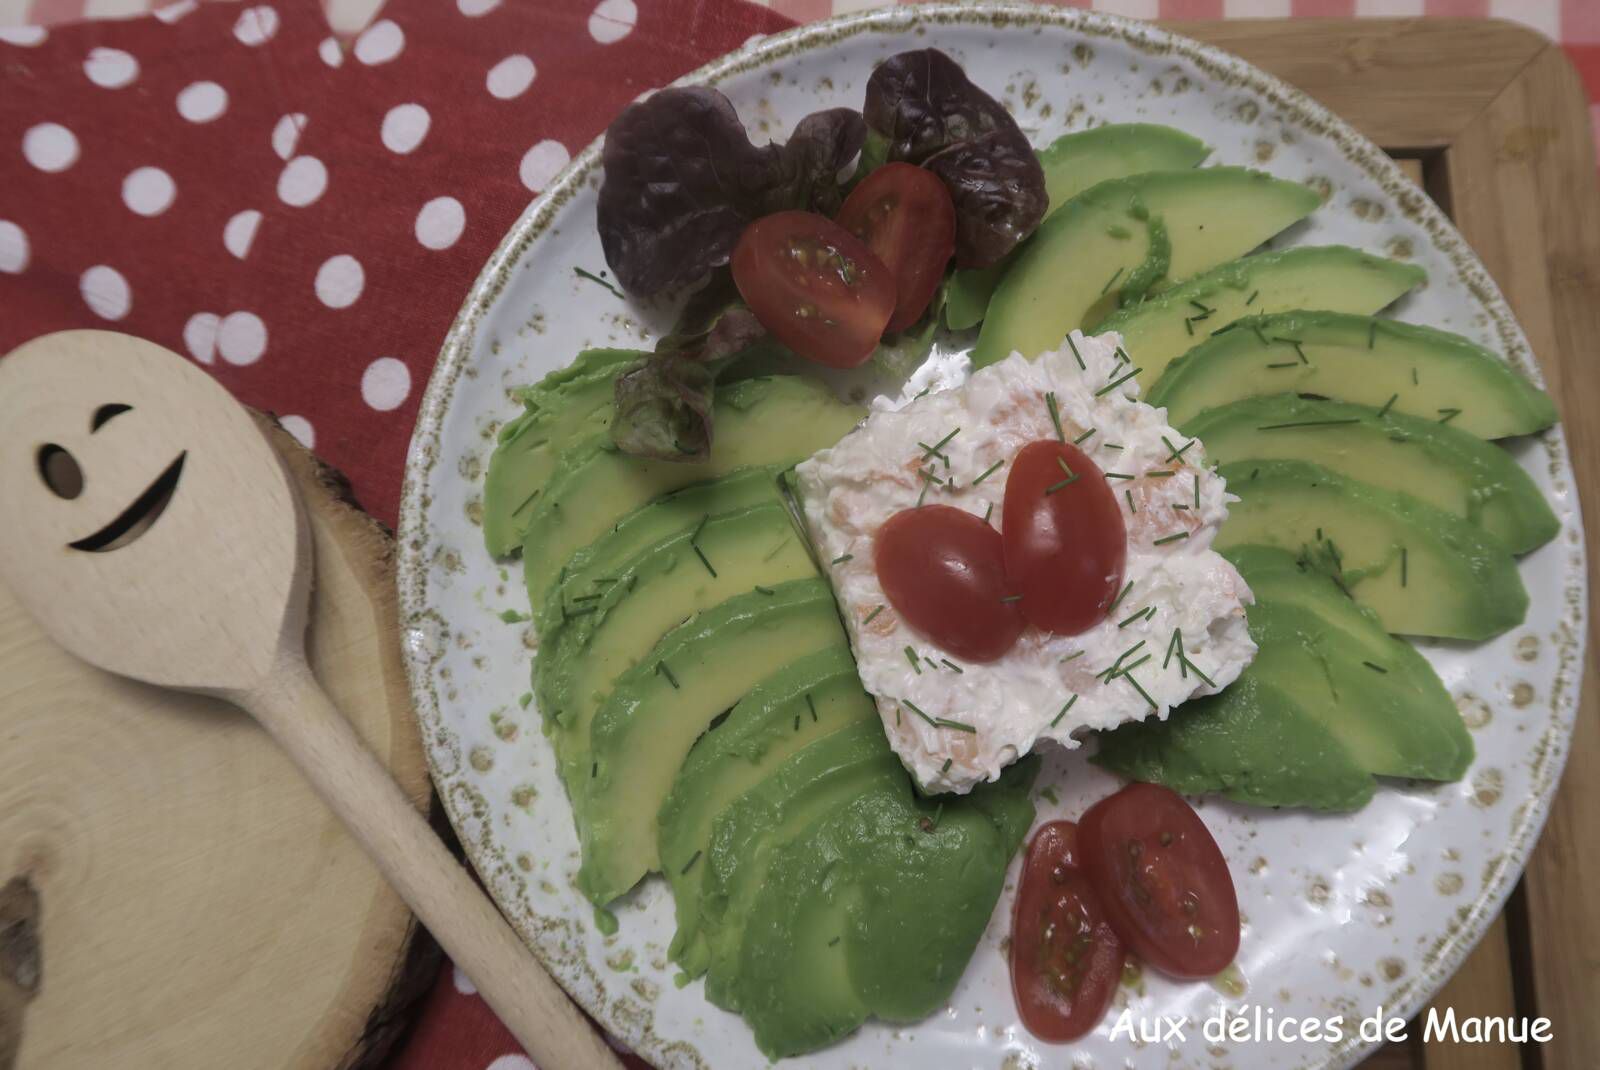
943, 571
1065, 540
815, 286
1066, 960
1162, 879
906, 216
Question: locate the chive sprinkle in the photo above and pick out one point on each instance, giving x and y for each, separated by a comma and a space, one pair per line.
911, 656
833, 942
1173, 644
576, 598
765, 590
1118, 600
1113, 384
1177, 451
1402, 566
1449, 414
1174, 537
1117, 475
1124, 670
1309, 423
1079, 357
1122, 356
922, 494
1074, 656
1111, 280
1414, 380
1260, 337
943, 769
1201, 307
959, 726
1140, 615
841, 559
662, 669
1387, 405
914, 708
1252, 298
592, 277
1012, 598
1069, 481
1188, 325
952, 666
941, 444
1055, 414
987, 513
1142, 692
1160, 473
689, 864
869, 617
581, 611
1375, 667
1064, 709
701, 555
797, 722
1197, 490
1283, 364
987, 472
1131, 507
1081, 439
1191, 665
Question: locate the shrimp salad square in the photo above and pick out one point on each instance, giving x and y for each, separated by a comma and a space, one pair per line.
1168, 624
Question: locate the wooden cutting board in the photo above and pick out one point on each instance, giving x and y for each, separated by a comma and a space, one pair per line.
172, 894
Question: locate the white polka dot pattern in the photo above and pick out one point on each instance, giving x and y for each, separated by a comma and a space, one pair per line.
612, 20
14, 247
256, 25
340, 280
201, 102
241, 338
110, 68
302, 181
106, 292
240, 231
474, 8
23, 36
200, 336
380, 42
404, 127
286, 134
50, 147
511, 77
542, 163
385, 384
301, 429
440, 222
148, 191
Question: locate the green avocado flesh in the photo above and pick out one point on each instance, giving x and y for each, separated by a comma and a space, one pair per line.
1422, 570
813, 697
586, 645
566, 406
1436, 463
1414, 370
1334, 277
779, 420
1072, 163
1330, 701
1125, 238
657, 709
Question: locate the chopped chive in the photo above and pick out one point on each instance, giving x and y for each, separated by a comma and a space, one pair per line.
1252, 298
592, 597
1309, 423
1177, 451
1081, 439
1126, 669
1201, 307
1076, 355
1074, 656
943, 769
1069, 481
1142, 692
765, 590
959, 726
690, 864
701, 555
869, 617
662, 669
1160, 473
929, 477
1402, 566
594, 770
1118, 600
923, 393
1283, 364
841, 559
592, 277
952, 666
1012, 598
1117, 475
1140, 615
797, 722
941, 444
1173, 644
812, 706
1297, 350
1122, 356
1197, 490
694, 536
931, 663
1188, 325
911, 656
1181, 505
1449, 414
581, 611
987, 513
833, 942
914, 708
1387, 405
1128, 494
1061, 463
1113, 384
1055, 414
1414, 381
1174, 537
987, 472
1064, 709
922, 494
1112, 446
1260, 337
1375, 667
1111, 280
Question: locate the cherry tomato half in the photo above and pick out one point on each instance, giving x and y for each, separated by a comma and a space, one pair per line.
1066, 960
1163, 881
815, 286
1065, 540
906, 216
943, 570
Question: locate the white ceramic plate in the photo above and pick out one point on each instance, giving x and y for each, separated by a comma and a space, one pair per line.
1343, 913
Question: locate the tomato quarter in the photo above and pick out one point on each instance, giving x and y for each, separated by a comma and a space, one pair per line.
943, 571
1066, 960
906, 216
1065, 541
1162, 879
815, 286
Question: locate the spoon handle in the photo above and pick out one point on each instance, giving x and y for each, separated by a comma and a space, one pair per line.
293, 707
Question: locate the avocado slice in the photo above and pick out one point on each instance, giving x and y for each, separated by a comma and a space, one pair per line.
1424, 571
1414, 370
1335, 277
1124, 238
1072, 163
585, 646
565, 406
1433, 462
886, 927
814, 697
1330, 700
641, 734
776, 420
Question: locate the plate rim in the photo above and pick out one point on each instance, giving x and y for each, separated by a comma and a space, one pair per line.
1463, 934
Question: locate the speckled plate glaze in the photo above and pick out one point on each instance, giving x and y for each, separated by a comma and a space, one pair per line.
1343, 914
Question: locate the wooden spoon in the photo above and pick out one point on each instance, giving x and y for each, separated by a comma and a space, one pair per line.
153, 532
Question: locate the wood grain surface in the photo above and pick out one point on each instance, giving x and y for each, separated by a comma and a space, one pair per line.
162, 863
1498, 126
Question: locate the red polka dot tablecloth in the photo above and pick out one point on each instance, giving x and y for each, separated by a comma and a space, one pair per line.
302, 215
